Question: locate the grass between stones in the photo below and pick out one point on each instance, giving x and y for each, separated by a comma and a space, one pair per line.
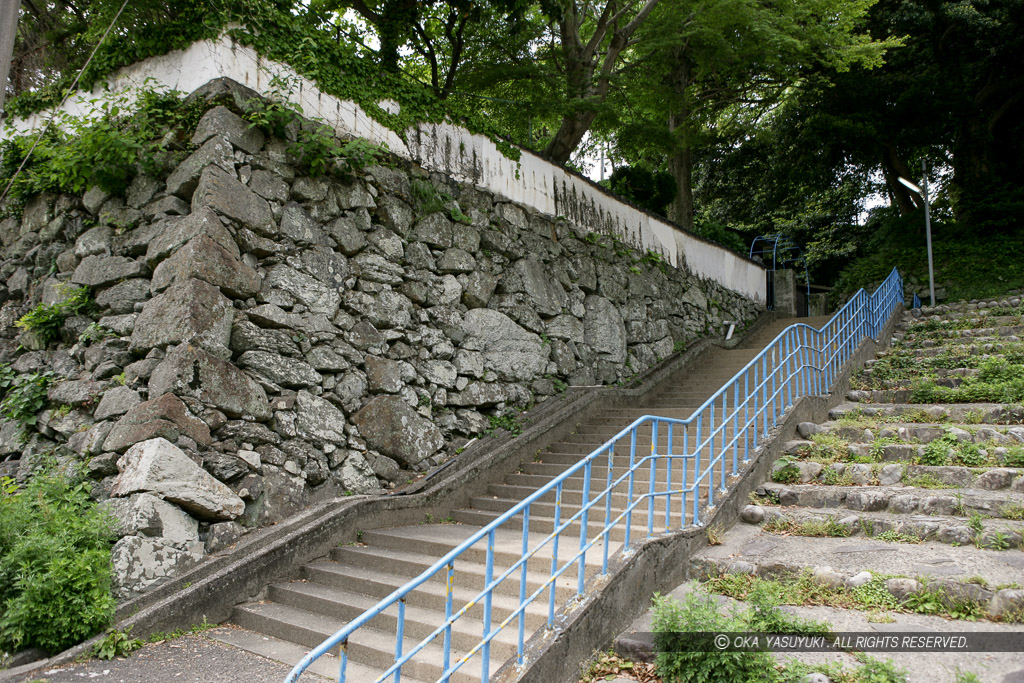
873, 595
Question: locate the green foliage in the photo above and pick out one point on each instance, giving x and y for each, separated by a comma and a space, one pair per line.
116, 643
428, 199
54, 563
650, 190
25, 397
314, 145
1014, 456
827, 527
106, 149
510, 422
699, 612
94, 332
45, 320
786, 473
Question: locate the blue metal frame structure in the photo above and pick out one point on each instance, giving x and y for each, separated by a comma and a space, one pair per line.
783, 251
697, 455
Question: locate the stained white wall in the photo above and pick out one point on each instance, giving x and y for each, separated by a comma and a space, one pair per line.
444, 148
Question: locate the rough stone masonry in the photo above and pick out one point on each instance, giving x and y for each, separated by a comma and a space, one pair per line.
265, 339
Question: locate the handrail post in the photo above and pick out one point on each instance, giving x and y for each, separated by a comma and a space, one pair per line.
485, 671
668, 480
448, 595
581, 570
554, 553
651, 484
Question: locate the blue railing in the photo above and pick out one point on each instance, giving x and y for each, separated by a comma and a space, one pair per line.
689, 460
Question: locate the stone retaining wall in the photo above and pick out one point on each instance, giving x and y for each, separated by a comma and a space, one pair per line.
531, 181
267, 339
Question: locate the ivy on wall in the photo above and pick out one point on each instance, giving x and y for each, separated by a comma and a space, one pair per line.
275, 33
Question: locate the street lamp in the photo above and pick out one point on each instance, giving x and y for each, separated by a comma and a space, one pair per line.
927, 225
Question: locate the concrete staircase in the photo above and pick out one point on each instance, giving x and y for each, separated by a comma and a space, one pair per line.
300, 614
901, 497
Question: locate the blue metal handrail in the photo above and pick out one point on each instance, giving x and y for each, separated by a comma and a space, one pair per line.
800, 361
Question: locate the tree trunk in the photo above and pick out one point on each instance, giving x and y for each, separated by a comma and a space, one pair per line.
681, 162
568, 137
681, 168
894, 167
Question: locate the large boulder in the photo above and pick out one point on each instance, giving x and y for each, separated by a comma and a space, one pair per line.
318, 421
603, 329
206, 260
175, 232
288, 372
508, 350
190, 311
143, 514
166, 416
223, 193
544, 292
139, 562
184, 179
190, 371
391, 426
100, 271
159, 467
224, 123
302, 288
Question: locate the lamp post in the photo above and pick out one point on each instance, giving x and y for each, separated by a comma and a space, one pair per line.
927, 225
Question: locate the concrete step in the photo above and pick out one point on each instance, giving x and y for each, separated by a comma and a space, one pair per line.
546, 525
377, 585
440, 538
403, 566
420, 622
367, 647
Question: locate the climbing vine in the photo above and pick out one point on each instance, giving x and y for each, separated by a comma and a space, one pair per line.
277, 34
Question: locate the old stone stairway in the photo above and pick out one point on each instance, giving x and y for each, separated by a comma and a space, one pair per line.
904, 512
300, 614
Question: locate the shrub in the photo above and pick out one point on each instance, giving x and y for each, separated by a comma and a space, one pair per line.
786, 471
45, 320
673, 623
55, 569
25, 396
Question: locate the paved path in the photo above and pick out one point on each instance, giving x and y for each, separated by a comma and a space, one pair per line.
195, 657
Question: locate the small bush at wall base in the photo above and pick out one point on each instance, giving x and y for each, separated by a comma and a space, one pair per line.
55, 571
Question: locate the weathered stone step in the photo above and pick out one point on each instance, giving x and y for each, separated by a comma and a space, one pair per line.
967, 349
924, 432
900, 471
772, 553
367, 646
938, 373
993, 534
994, 602
866, 383
990, 413
914, 337
896, 499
